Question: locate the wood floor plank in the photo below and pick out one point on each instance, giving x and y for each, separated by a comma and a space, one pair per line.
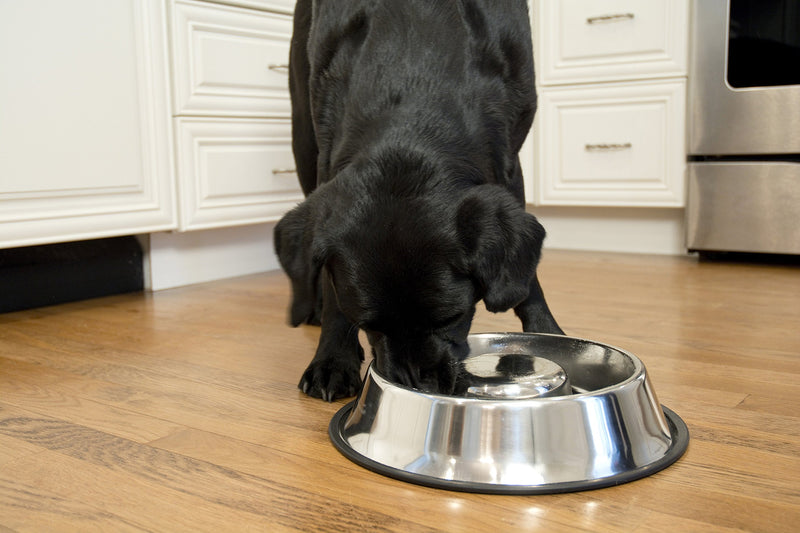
13, 449
20, 500
283, 505
66, 494
179, 411
70, 398
331, 474
661, 522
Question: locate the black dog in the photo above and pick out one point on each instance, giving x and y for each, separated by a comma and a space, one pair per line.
407, 120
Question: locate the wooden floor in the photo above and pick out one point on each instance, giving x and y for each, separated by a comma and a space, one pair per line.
179, 411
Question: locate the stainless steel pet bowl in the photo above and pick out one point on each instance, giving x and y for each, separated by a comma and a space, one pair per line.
534, 413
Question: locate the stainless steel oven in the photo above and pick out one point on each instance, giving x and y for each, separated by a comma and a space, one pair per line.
744, 127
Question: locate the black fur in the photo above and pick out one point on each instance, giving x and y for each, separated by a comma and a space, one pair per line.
407, 120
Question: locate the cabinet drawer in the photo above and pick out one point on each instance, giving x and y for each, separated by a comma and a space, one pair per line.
234, 172
230, 61
612, 145
587, 40
279, 6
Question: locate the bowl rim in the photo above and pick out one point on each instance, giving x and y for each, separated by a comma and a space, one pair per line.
638, 372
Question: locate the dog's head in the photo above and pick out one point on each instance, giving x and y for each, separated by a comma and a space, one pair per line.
409, 270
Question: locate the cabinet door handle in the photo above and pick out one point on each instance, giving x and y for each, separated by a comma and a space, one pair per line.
616, 17
277, 171
283, 69
608, 147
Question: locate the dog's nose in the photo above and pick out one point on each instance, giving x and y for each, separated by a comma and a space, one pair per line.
439, 379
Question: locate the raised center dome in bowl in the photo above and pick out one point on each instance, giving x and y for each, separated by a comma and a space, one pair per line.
511, 376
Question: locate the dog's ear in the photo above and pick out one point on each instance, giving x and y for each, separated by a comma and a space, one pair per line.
502, 243
301, 253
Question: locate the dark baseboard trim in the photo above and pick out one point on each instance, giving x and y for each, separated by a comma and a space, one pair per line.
37, 276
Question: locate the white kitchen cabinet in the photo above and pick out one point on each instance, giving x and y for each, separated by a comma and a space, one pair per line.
609, 40
610, 127
235, 171
613, 145
230, 61
85, 148
232, 111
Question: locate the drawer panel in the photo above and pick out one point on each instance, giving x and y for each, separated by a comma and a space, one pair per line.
612, 145
279, 6
230, 61
587, 40
233, 172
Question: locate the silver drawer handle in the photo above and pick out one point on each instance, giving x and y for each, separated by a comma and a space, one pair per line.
277, 171
608, 147
283, 69
617, 17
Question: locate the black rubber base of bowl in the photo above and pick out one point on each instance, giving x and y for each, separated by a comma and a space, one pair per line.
678, 430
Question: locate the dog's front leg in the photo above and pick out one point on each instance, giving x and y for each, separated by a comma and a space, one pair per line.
335, 371
534, 312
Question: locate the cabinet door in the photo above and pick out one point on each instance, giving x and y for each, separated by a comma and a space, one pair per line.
230, 61
84, 120
235, 171
591, 40
612, 145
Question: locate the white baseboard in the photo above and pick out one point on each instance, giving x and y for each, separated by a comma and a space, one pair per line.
606, 229
177, 259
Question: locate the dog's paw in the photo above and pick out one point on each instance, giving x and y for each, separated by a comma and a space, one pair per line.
330, 380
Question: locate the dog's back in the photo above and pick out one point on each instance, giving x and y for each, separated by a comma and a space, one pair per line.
445, 79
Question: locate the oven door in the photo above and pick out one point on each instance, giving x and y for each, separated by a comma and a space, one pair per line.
744, 78
744, 207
